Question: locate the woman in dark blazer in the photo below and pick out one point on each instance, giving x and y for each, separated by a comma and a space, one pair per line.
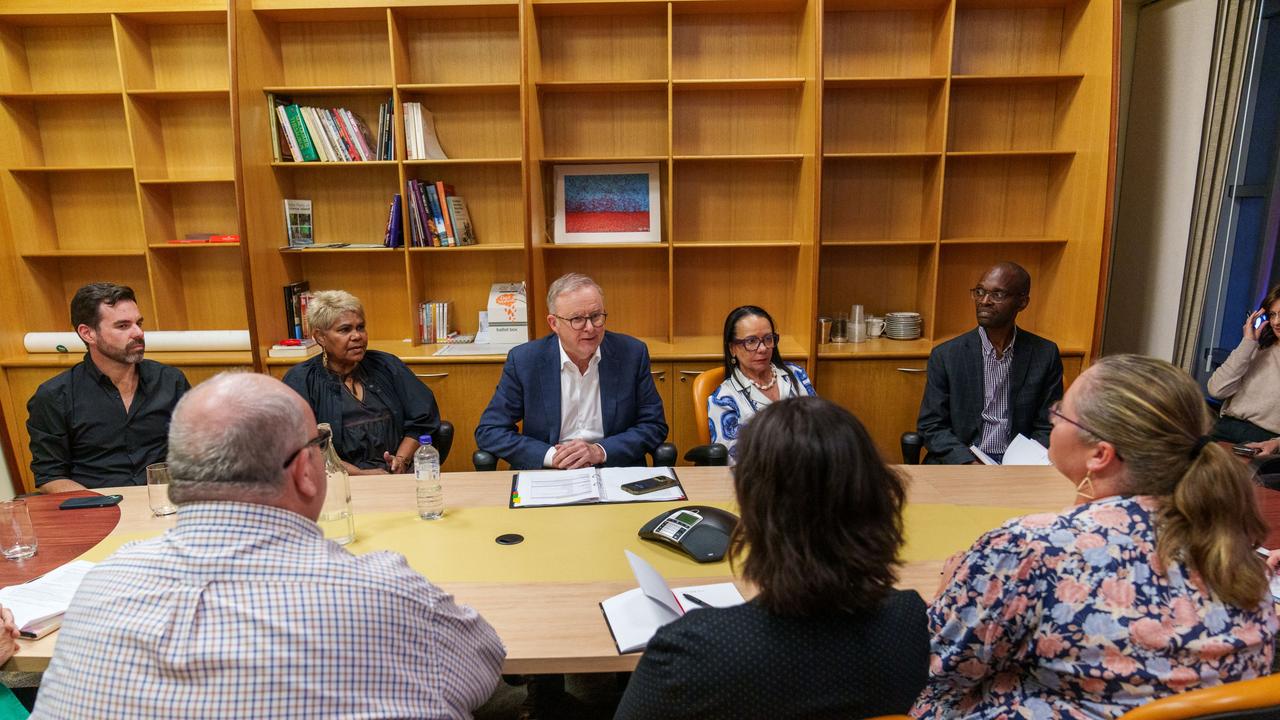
373, 403
827, 636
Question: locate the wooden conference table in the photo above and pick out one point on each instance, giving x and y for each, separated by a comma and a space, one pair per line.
542, 595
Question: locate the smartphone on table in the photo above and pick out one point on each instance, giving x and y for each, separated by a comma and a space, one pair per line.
648, 485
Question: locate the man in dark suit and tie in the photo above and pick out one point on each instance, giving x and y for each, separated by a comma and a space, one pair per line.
993, 382
585, 395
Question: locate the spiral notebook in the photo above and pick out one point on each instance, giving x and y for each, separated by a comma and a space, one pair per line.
551, 488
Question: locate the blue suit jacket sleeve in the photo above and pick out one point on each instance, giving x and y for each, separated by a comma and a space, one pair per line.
496, 431
635, 437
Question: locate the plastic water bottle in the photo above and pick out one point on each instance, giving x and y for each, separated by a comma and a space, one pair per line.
426, 473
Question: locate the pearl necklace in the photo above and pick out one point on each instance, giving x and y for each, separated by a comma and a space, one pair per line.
773, 380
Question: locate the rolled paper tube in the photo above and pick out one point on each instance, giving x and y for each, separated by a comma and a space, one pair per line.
157, 341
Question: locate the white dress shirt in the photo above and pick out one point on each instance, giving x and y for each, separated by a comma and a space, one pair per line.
580, 417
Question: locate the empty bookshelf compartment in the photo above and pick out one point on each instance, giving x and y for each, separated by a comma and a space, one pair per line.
59, 58
604, 124
199, 289
188, 139
181, 54
1013, 116
1006, 199
740, 44
885, 38
711, 282
342, 48
66, 131
629, 43
880, 200
883, 119
74, 212
720, 201
458, 46
1036, 37
741, 122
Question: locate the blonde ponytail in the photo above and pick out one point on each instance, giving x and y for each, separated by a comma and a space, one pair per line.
1208, 518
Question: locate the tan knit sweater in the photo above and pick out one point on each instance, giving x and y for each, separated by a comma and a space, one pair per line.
1248, 382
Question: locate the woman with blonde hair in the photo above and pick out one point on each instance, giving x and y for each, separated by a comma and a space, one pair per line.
375, 406
1148, 586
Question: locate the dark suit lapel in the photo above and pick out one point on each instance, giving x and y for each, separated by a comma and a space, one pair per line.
1018, 370
549, 379
973, 386
609, 378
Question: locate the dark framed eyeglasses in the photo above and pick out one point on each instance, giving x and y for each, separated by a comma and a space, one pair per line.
321, 440
753, 343
1056, 411
580, 321
979, 293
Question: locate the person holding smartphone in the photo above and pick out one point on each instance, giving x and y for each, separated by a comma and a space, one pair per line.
1248, 378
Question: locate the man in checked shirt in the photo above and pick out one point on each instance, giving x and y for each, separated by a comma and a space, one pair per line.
243, 609
990, 384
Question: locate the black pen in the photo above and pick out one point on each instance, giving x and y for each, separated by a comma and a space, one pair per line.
696, 601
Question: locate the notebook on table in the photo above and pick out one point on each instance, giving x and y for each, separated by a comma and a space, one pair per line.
588, 486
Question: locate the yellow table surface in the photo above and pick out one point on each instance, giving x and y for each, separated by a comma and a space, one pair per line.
542, 595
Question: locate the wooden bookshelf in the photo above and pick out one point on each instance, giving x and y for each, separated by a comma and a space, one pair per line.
117, 137
812, 154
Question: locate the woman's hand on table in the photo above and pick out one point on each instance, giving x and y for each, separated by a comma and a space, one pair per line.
1266, 447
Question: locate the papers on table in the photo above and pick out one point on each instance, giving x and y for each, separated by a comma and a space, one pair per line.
1275, 579
473, 348
635, 615
540, 488
38, 606
1022, 450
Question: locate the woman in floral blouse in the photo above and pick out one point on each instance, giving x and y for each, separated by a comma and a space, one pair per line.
1148, 586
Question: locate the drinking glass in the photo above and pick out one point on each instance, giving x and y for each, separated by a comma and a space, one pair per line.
17, 537
158, 489
840, 327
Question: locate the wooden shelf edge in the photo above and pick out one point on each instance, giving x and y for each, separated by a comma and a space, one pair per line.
603, 246
738, 245
493, 247
192, 246
105, 252
72, 169
304, 90
1004, 240
331, 165
886, 242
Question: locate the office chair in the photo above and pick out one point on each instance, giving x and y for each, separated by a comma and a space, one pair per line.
706, 453
1257, 699
662, 456
912, 443
442, 441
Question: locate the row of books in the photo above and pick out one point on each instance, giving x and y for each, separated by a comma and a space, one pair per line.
296, 297
311, 134
438, 217
434, 319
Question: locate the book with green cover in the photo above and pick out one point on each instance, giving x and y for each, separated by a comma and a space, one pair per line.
300, 133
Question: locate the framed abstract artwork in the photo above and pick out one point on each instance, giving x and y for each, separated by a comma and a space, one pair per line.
607, 203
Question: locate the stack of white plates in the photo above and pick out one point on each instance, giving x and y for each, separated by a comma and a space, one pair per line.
902, 325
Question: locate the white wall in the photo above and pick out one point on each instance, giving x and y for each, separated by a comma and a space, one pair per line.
1160, 141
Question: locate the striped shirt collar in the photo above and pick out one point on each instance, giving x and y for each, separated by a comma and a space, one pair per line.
989, 349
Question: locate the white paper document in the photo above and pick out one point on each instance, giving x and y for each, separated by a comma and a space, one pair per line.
635, 615
534, 488
1022, 450
37, 604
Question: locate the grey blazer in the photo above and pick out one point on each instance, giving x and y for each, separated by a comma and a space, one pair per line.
951, 411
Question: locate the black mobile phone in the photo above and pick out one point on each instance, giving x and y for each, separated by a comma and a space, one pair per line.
96, 501
1245, 450
648, 485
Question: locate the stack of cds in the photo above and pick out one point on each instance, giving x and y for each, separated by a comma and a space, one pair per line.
902, 325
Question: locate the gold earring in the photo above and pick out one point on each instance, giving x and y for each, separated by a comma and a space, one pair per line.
1088, 480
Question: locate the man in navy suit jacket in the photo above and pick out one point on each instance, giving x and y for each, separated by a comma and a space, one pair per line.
993, 382
585, 395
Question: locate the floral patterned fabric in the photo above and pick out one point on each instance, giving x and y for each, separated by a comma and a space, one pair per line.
1073, 616
737, 400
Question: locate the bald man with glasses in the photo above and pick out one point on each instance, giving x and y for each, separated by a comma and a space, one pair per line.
993, 382
585, 395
